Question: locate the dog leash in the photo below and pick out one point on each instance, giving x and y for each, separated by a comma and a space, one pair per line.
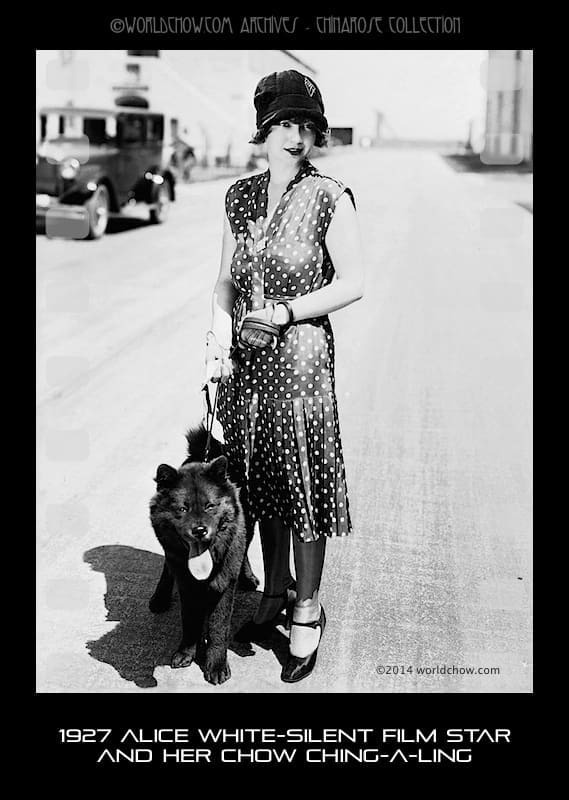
210, 413
210, 416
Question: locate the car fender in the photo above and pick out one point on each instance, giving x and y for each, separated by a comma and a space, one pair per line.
146, 188
80, 190
171, 178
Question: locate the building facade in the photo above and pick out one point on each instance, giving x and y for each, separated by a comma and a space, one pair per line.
509, 107
206, 95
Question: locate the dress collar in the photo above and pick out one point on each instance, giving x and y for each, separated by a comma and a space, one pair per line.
305, 168
258, 199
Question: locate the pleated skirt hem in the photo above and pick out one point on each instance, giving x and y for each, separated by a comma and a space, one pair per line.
289, 453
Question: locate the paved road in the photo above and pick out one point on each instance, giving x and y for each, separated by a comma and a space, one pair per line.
433, 379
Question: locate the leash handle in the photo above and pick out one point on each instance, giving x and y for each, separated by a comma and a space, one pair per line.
210, 412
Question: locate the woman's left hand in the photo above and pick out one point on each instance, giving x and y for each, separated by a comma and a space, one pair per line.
265, 314
259, 339
272, 312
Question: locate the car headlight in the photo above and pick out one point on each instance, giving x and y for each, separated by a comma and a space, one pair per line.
152, 176
69, 168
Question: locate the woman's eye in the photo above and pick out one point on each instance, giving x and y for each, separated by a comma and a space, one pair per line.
285, 123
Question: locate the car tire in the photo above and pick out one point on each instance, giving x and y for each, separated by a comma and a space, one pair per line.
161, 208
98, 207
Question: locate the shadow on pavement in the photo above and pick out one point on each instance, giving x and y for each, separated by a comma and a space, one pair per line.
142, 640
122, 224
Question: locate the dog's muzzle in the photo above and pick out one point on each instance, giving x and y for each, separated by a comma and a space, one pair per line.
199, 532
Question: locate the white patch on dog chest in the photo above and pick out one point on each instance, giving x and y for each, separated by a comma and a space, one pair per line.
201, 566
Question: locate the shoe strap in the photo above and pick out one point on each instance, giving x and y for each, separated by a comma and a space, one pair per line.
315, 623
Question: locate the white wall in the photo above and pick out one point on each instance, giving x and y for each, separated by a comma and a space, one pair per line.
506, 77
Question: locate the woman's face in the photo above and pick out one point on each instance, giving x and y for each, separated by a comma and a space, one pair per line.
290, 142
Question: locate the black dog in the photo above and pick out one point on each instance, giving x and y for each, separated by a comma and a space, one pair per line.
198, 519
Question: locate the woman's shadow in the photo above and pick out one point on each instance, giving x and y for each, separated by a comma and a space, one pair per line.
142, 640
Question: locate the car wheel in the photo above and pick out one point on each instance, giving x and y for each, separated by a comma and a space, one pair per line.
98, 208
159, 213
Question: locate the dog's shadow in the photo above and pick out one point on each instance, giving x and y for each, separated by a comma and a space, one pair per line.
142, 640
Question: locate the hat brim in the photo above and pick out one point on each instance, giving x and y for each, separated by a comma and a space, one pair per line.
294, 112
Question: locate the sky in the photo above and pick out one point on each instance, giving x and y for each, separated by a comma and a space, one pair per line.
430, 94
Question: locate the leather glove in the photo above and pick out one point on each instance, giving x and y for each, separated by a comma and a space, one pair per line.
219, 366
219, 370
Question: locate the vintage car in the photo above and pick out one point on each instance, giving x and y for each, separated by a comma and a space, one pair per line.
92, 162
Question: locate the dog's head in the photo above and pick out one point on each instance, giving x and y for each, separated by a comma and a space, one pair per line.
195, 499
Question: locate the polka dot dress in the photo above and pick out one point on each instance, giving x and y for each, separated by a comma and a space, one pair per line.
278, 411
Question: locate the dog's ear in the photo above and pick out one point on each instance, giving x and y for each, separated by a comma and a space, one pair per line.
166, 476
216, 470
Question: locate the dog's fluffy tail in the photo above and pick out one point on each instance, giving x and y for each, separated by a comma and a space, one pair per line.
197, 441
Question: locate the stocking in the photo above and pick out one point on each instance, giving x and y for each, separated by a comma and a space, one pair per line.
309, 561
275, 544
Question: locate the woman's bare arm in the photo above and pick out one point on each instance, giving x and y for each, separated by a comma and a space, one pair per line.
344, 246
224, 293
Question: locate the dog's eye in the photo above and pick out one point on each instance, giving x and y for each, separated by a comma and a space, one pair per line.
209, 506
183, 509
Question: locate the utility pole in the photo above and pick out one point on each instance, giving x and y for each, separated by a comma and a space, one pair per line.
468, 146
379, 117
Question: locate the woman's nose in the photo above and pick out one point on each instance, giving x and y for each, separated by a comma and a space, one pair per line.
294, 134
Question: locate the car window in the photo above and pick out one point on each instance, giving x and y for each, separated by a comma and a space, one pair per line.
155, 131
52, 125
131, 129
96, 130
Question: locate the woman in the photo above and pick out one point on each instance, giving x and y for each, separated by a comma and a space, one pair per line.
288, 232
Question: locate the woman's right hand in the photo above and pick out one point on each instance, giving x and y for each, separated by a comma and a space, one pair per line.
219, 366
219, 369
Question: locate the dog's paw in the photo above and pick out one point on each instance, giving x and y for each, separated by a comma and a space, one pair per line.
159, 603
217, 673
183, 657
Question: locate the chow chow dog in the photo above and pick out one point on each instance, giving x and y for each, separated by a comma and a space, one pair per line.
199, 520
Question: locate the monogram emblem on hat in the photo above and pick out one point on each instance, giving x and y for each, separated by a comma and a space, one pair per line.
310, 87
